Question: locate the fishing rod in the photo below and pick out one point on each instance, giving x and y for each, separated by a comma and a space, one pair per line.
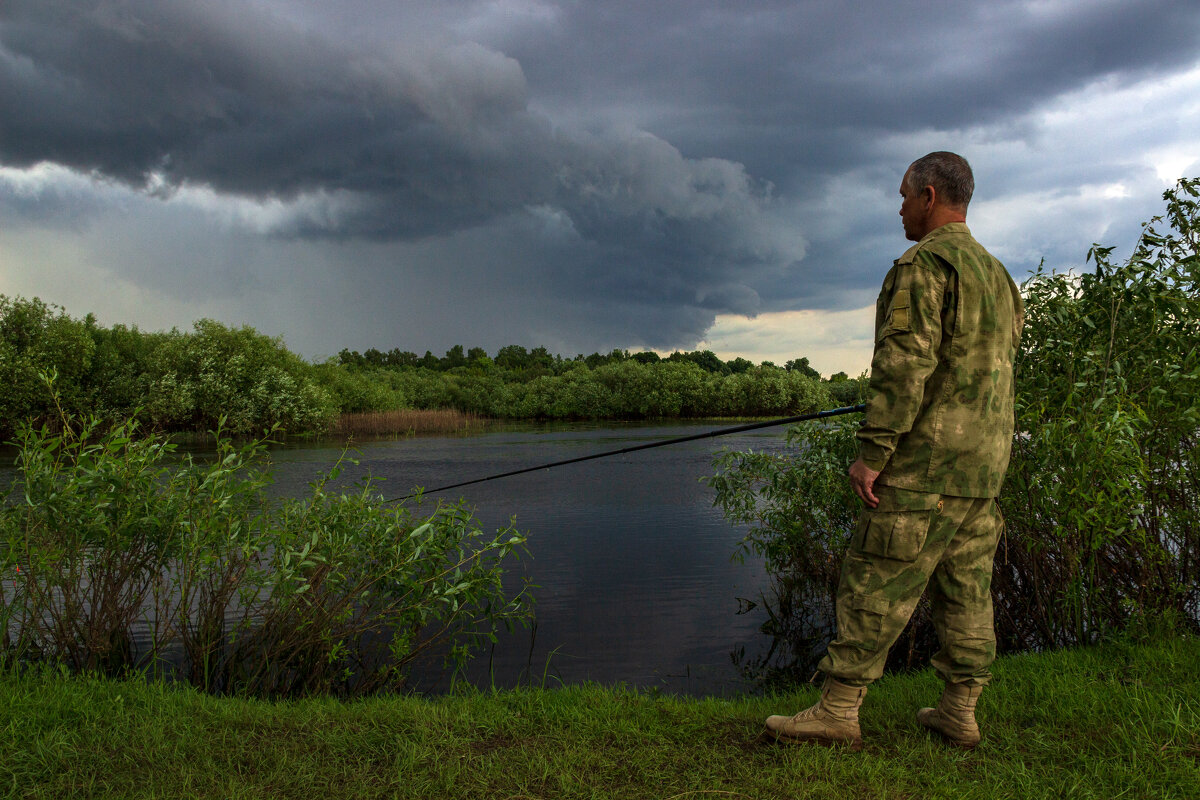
834, 412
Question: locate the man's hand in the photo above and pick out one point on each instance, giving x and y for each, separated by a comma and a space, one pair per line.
862, 480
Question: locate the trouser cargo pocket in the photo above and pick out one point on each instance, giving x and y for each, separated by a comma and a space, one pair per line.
898, 535
861, 622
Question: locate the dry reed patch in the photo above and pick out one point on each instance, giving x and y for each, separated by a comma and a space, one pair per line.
405, 422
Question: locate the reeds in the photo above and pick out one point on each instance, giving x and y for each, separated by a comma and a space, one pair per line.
405, 422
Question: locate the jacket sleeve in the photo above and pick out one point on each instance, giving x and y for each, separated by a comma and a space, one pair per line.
906, 353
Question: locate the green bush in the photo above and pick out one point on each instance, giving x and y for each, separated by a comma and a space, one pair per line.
1102, 498
122, 371
1103, 494
117, 553
238, 375
847, 391
800, 511
615, 388
37, 338
168, 381
357, 391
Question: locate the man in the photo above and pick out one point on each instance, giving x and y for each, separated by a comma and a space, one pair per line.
933, 450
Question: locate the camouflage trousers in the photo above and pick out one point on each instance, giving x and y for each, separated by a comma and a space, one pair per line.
911, 541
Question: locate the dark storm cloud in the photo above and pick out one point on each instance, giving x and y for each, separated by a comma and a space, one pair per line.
805, 94
218, 94
419, 139
758, 82
614, 172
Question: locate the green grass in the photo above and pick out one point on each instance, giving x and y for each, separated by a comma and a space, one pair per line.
1113, 721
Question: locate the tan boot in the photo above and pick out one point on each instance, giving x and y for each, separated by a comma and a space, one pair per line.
833, 720
954, 716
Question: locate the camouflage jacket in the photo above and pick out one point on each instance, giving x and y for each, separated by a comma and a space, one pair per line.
947, 325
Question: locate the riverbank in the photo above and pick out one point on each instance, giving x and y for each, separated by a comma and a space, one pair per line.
1114, 720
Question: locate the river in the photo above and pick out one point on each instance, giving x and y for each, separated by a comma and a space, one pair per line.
633, 567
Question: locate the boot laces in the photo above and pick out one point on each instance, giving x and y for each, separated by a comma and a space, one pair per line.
812, 712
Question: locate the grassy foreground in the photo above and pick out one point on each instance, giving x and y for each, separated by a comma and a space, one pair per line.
1117, 720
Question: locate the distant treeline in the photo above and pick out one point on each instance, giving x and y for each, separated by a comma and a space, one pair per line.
190, 381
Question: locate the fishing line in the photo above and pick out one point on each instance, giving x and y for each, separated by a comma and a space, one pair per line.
706, 435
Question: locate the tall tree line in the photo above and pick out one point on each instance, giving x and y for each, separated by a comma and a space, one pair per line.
245, 381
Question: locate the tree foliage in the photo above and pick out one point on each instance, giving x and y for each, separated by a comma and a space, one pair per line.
167, 381
35, 338
248, 380
171, 381
1103, 495
536, 385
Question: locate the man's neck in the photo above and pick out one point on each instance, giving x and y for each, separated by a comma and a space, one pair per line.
944, 216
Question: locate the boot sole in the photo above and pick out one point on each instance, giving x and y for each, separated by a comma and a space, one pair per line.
962, 744
959, 743
770, 737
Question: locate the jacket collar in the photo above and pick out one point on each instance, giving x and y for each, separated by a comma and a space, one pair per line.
949, 229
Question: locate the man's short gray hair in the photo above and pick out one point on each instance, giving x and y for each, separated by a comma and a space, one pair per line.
948, 173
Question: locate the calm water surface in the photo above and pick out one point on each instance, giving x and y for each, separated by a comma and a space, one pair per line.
633, 568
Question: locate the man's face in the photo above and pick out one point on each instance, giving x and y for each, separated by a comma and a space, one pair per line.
913, 211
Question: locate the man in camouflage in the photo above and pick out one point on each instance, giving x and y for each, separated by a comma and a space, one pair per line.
933, 450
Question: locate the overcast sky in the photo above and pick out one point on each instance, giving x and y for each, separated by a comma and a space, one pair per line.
580, 175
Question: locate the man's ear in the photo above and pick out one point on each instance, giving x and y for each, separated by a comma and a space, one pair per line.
928, 196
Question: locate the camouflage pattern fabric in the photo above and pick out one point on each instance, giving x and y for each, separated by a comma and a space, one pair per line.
947, 326
913, 540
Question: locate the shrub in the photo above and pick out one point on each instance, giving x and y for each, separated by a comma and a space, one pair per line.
36, 338
800, 510
1103, 494
169, 381
360, 391
116, 554
249, 380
